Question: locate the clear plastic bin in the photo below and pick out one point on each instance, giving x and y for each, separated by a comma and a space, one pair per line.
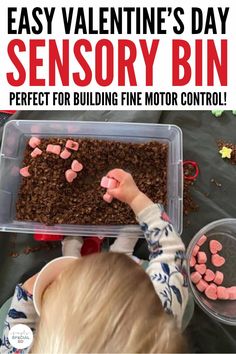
15, 136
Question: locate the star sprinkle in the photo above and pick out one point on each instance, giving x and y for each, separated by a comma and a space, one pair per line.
217, 113
225, 152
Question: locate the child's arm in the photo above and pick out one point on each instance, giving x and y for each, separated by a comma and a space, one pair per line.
167, 251
21, 312
167, 259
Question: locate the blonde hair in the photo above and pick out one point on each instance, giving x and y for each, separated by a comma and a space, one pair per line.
104, 303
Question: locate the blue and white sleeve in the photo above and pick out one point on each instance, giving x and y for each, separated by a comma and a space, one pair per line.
167, 260
21, 312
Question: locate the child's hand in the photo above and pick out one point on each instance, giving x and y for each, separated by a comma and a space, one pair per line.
127, 191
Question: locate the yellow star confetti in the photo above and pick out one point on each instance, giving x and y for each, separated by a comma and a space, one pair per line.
225, 152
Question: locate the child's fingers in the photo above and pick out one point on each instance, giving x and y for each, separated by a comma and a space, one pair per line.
114, 192
117, 174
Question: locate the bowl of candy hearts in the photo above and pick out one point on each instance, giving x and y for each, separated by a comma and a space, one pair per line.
211, 264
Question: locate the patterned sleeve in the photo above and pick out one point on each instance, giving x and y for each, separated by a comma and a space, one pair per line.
21, 312
167, 260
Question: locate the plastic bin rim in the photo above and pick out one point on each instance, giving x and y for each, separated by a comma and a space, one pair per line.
93, 122
43, 121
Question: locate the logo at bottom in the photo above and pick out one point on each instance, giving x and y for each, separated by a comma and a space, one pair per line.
20, 336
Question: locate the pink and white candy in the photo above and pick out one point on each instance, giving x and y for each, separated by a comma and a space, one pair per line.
34, 142
107, 198
54, 149
24, 171
73, 145
65, 154
36, 152
70, 175
76, 166
109, 183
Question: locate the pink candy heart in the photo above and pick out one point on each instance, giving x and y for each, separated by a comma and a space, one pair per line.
195, 277
49, 148
232, 292
36, 152
215, 246
65, 154
76, 166
202, 285
33, 142
211, 292
70, 175
192, 261
217, 260
219, 277
107, 182
222, 293
200, 268
107, 198
104, 182
209, 275
25, 171
73, 145
202, 258
201, 240
195, 250
54, 149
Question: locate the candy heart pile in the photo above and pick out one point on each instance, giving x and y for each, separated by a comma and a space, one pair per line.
76, 166
204, 278
71, 173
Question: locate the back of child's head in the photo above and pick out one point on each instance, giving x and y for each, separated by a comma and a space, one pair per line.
104, 303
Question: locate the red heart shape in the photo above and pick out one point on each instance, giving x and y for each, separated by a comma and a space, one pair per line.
217, 260
76, 166
209, 275
70, 175
211, 292
200, 268
215, 246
